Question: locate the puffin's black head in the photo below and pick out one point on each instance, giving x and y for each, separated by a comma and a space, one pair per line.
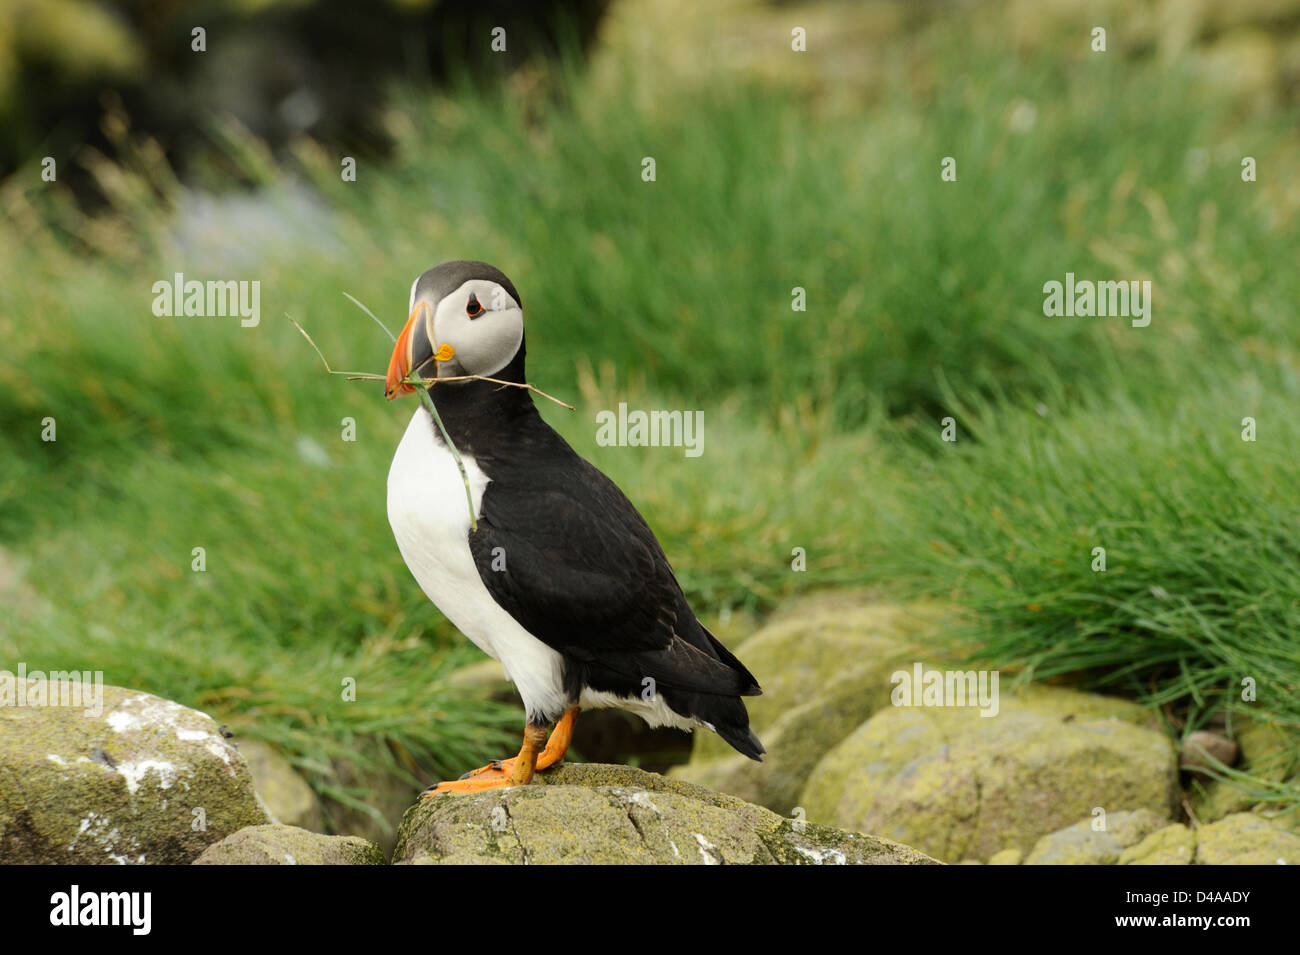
466, 319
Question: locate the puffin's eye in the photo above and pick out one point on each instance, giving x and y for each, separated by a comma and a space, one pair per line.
472, 308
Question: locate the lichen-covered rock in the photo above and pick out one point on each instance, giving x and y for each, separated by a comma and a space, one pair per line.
1082, 844
484, 675
1246, 839
286, 794
592, 814
289, 845
824, 664
1007, 857
1172, 845
1268, 752
1076, 845
957, 785
1130, 828
145, 780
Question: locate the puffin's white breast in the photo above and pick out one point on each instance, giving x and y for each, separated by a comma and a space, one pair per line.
430, 519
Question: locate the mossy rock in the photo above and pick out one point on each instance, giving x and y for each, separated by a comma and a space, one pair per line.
130, 784
1082, 844
1246, 839
1268, 752
487, 677
824, 664
290, 845
1172, 845
959, 785
601, 814
286, 795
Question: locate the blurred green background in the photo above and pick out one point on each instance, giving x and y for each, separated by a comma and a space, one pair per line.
775, 169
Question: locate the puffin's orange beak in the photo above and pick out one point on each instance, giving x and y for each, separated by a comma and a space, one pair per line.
399, 366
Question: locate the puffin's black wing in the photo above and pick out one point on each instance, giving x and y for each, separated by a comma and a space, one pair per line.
565, 553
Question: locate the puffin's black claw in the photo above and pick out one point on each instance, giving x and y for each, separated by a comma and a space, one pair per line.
430, 790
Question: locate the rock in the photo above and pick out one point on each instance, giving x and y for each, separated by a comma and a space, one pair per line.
1130, 828
1203, 749
955, 784
1007, 857
1239, 839
596, 814
487, 677
1081, 844
824, 664
285, 794
1077, 845
128, 785
1246, 839
1172, 845
1268, 752
289, 845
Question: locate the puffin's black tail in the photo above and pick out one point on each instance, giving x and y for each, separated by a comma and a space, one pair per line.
727, 714
750, 685
696, 676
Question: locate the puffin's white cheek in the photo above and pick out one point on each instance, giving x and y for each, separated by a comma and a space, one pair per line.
489, 343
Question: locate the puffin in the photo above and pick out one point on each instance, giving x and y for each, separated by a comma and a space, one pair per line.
556, 575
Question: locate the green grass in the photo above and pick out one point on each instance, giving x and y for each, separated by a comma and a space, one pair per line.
821, 427
1199, 529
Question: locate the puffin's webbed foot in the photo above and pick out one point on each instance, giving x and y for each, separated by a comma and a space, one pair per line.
475, 785
517, 770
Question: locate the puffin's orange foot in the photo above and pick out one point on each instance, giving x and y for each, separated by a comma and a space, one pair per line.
517, 770
498, 767
476, 785
494, 775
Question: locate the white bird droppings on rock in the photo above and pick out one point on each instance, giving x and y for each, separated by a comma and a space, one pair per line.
133, 773
639, 797
121, 722
708, 851
822, 857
